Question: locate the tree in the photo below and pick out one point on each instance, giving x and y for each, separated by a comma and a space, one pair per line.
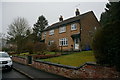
111, 13
106, 44
17, 32
39, 26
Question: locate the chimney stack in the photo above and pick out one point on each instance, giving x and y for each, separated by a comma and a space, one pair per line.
77, 12
61, 18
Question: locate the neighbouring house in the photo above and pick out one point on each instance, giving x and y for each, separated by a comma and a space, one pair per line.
75, 33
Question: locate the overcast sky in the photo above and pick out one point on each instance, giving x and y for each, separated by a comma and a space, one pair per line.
51, 10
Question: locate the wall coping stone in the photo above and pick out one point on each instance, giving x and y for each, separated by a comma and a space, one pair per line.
65, 66
19, 57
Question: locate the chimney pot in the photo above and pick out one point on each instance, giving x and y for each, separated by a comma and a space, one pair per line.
77, 12
61, 18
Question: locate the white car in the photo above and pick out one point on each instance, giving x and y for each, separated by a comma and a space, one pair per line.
5, 61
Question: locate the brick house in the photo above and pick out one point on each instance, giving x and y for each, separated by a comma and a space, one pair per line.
75, 33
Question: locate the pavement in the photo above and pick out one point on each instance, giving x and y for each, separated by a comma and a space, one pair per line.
34, 73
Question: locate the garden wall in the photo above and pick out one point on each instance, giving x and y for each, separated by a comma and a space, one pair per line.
88, 70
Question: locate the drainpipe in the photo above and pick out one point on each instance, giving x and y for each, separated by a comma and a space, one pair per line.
80, 45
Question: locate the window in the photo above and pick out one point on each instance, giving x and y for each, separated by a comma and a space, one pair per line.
73, 26
95, 28
44, 35
51, 32
63, 42
62, 29
50, 42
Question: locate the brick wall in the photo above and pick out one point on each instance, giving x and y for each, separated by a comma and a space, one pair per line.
58, 36
88, 70
88, 23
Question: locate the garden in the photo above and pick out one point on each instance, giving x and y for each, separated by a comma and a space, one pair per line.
74, 59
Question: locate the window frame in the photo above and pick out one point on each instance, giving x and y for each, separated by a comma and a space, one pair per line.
44, 34
62, 29
51, 32
73, 26
50, 42
63, 42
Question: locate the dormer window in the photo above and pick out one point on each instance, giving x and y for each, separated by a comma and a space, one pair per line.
73, 26
62, 29
51, 32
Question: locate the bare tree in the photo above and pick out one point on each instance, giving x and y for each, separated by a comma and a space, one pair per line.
17, 32
18, 27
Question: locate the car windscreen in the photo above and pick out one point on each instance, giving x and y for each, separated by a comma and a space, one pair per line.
4, 55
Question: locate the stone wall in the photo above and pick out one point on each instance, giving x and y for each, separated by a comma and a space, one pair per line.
88, 70
20, 60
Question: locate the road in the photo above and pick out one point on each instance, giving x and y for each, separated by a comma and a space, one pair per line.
32, 72
13, 74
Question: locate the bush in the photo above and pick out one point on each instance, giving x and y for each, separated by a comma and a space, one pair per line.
106, 45
40, 48
29, 47
53, 47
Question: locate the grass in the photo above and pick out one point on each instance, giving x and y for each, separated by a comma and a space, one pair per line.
22, 54
50, 52
75, 59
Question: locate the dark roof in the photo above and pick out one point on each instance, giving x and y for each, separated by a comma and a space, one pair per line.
67, 21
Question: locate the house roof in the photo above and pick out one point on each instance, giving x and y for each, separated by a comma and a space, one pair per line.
67, 21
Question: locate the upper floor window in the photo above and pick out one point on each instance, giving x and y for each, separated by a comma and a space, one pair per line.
44, 35
63, 42
51, 32
73, 26
62, 29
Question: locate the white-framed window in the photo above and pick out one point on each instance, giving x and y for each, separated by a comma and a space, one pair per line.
62, 29
50, 42
51, 32
73, 26
44, 34
63, 42
95, 28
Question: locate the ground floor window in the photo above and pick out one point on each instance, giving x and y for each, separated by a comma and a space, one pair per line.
50, 42
63, 42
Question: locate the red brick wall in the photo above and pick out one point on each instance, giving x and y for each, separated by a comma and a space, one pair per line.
87, 23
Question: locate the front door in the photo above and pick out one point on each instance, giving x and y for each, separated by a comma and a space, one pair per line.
76, 43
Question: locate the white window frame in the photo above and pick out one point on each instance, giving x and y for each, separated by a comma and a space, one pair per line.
44, 34
95, 28
51, 32
74, 26
62, 29
63, 42
51, 42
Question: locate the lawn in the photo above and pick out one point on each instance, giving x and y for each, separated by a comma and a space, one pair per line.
74, 59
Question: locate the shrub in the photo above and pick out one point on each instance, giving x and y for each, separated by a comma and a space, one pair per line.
29, 47
40, 48
53, 47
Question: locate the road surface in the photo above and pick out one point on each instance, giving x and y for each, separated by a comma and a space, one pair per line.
13, 74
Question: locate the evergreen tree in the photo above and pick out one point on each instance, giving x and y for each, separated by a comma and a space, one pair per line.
111, 13
38, 27
106, 44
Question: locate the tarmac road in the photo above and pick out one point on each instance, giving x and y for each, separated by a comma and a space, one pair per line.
13, 74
